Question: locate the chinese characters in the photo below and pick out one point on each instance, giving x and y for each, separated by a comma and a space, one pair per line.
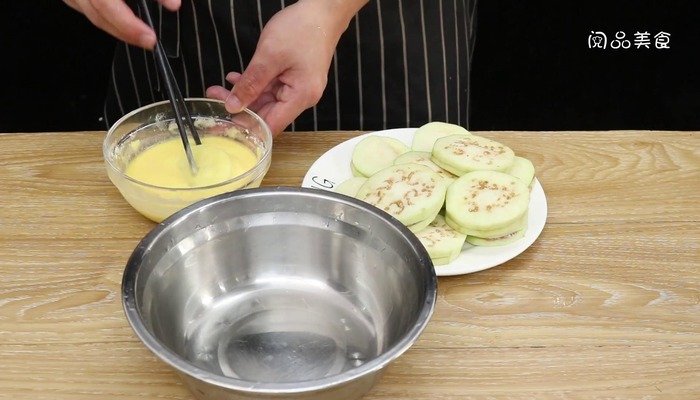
638, 40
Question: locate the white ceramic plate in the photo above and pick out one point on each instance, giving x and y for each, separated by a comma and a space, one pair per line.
333, 167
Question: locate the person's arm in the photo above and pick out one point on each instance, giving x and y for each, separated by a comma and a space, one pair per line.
116, 18
335, 15
289, 70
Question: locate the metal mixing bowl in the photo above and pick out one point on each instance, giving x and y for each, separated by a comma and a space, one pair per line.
290, 293
154, 124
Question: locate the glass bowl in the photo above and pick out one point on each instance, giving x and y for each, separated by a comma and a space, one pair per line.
155, 124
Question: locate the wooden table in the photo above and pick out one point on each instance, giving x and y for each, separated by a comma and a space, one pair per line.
606, 304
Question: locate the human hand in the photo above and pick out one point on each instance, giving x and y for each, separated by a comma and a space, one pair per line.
289, 70
116, 18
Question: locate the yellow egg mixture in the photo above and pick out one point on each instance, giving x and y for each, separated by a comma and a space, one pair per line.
218, 159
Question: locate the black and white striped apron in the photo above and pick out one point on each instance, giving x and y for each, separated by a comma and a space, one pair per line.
401, 63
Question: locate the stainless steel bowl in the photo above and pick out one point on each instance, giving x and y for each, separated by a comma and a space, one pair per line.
279, 293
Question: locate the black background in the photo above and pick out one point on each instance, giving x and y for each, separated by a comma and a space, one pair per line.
55, 66
532, 68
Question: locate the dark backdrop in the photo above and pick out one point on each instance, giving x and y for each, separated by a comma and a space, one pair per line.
533, 69
55, 66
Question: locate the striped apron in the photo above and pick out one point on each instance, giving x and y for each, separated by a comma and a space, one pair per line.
401, 63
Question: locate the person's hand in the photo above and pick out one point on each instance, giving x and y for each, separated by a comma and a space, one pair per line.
116, 18
289, 70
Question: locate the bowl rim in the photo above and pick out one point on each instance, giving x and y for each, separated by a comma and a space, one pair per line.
264, 159
371, 367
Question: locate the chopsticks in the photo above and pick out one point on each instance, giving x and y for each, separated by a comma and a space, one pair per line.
182, 115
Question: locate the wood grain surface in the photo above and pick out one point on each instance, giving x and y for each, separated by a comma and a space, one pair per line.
604, 305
